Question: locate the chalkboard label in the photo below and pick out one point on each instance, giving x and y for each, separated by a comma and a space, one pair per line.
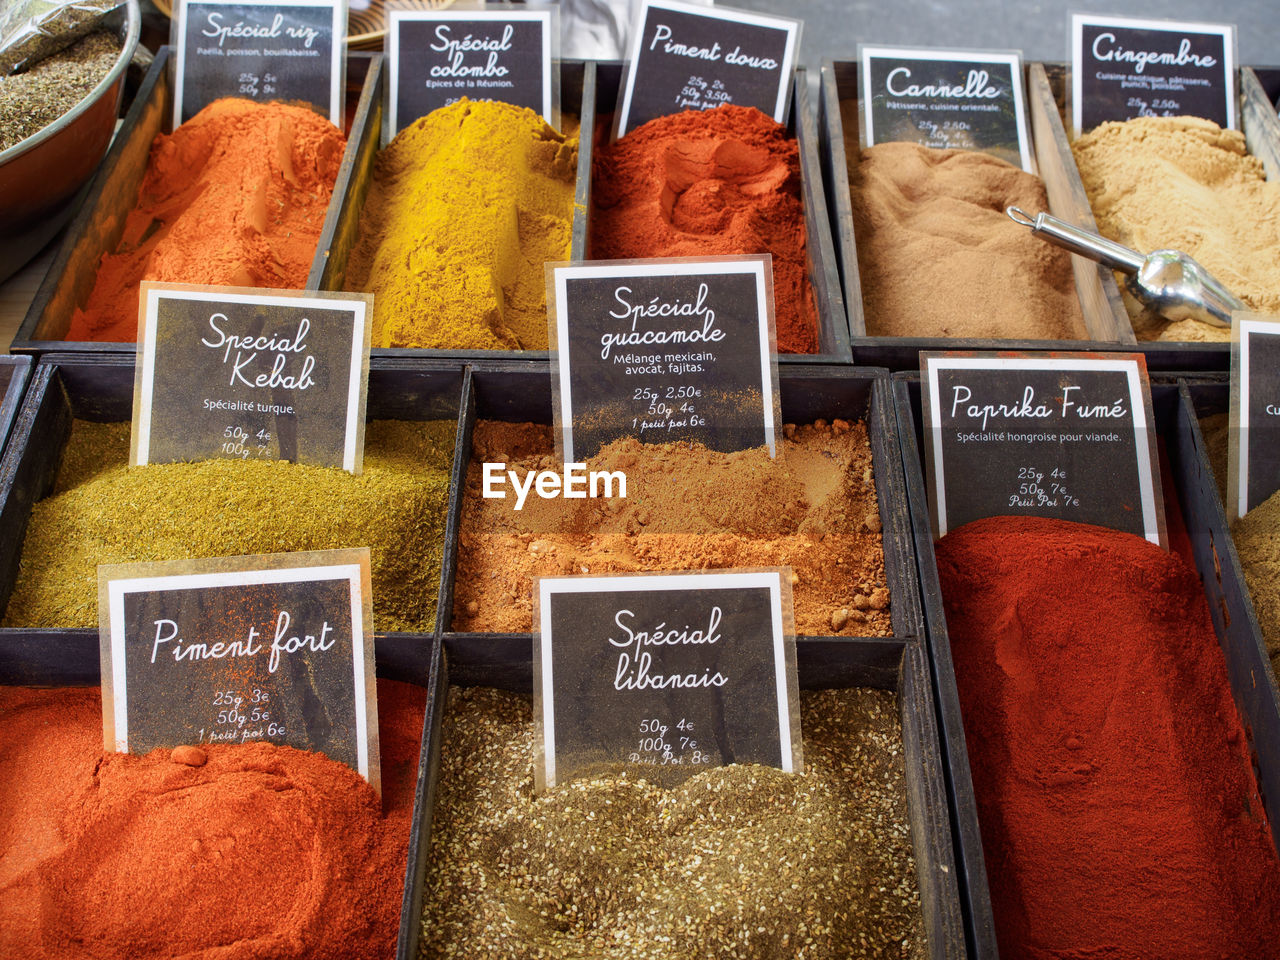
438, 57
663, 350
689, 57
1123, 68
238, 649
1254, 450
289, 50
667, 674
946, 99
1069, 436
250, 374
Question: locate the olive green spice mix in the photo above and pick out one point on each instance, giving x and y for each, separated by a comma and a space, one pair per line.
31, 101
104, 511
743, 862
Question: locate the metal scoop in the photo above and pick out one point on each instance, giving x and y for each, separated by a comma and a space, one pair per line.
1168, 281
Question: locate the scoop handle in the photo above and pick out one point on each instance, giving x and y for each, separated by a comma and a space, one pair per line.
1073, 238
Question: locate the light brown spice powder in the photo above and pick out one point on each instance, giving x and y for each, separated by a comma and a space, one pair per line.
814, 509
1186, 184
938, 257
742, 862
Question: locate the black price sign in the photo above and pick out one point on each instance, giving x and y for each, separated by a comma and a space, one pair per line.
239, 649
946, 99
663, 350
438, 57
689, 57
1254, 452
1123, 68
1069, 436
288, 50
670, 673
250, 374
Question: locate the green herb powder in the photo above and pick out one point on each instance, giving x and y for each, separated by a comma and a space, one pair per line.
104, 511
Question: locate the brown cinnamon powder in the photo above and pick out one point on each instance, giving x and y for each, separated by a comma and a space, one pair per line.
938, 257
687, 508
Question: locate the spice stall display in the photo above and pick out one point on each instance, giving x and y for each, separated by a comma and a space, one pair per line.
236, 196
720, 182
913, 204
1184, 183
726, 182
464, 208
262, 850
240, 194
57, 112
72, 502
829, 507
896, 206
1120, 750
1253, 547
32, 100
1180, 182
449, 225
739, 862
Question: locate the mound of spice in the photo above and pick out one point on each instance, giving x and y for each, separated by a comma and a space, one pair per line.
236, 196
465, 207
687, 508
104, 511
938, 257
1186, 184
710, 183
257, 852
1119, 813
742, 862
1257, 540
31, 101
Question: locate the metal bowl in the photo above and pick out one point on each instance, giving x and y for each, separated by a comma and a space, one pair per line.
41, 176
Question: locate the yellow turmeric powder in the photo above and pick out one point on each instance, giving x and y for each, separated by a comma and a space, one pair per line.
465, 207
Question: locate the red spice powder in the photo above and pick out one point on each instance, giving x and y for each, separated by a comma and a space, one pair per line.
261, 852
1120, 817
236, 196
704, 183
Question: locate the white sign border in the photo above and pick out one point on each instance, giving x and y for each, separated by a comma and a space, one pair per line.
1080, 20
545, 15
147, 351
788, 25
338, 27
692, 582
1246, 329
1142, 441
117, 590
1013, 60
574, 271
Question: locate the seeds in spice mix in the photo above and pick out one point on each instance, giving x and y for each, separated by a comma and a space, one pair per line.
31, 101
104, 511
742, 862
814, 509
252, 851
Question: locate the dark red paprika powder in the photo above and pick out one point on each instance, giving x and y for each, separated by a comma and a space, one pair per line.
710, 183
1120, 817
